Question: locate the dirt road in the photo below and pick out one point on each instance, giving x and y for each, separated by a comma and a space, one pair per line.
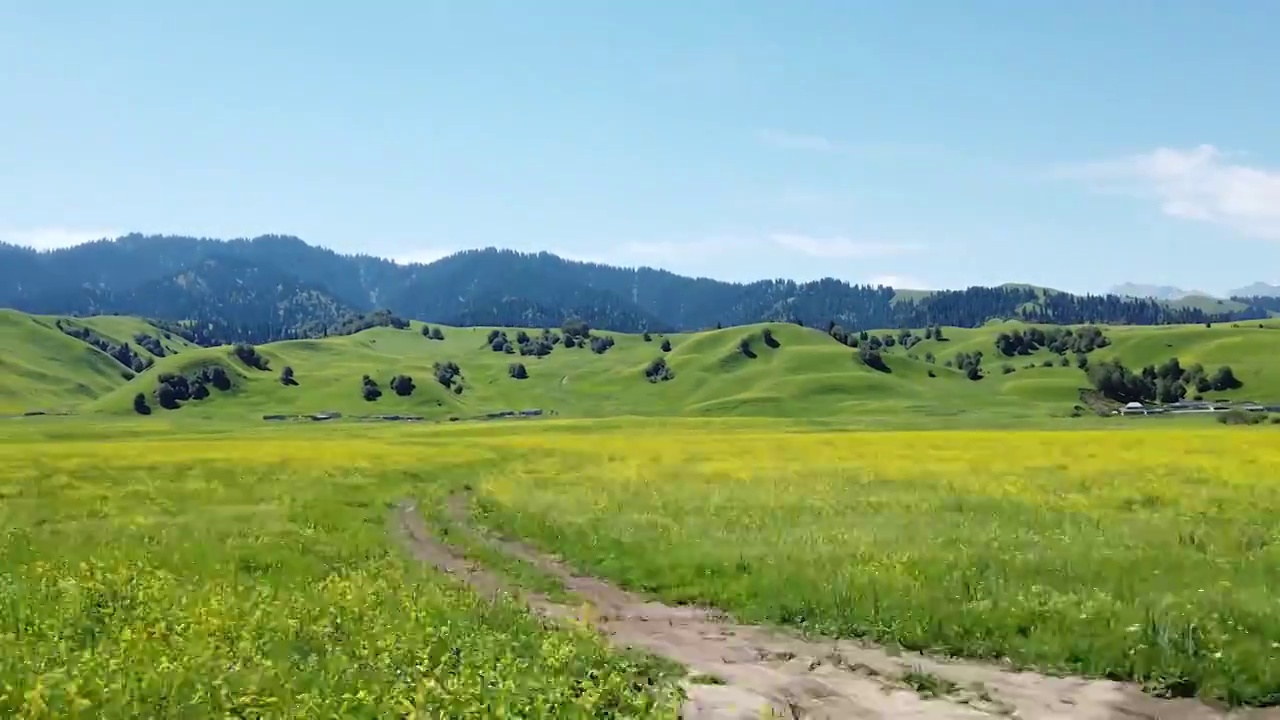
744, 671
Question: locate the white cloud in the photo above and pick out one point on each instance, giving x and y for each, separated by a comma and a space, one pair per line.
838, 247
1200, 184
52, 238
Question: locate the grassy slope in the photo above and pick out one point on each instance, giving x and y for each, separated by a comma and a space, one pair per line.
42, 368
810, 375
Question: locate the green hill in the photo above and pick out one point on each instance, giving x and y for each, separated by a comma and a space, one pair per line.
44, 369
803, 373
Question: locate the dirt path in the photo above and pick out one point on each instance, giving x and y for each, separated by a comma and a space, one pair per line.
742, 671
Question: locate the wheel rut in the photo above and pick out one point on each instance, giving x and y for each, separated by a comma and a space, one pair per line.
740, 671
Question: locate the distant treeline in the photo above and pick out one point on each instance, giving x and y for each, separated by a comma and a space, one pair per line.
278, 287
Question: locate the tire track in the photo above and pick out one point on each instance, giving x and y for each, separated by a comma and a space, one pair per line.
744, 671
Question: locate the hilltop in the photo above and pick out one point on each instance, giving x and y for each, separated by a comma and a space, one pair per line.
763, 369
279, 287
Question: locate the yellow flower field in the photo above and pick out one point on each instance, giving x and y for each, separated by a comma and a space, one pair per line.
253, 576
220, 571
1146, 554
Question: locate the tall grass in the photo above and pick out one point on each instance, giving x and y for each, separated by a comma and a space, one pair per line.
243, 577
1150, 555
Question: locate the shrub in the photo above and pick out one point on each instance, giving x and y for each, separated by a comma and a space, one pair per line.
149, 343
140, 404
744, 346
666, 345
647, 337
600, 345
249, 355
369, 389
576, 327
659, 371
1241, 417
871, 358
1225, 379
286, 376
402, 385
436, 333
167, 397
447, 373
216, 376
517, 371
770, 340
426, 331
1007, 369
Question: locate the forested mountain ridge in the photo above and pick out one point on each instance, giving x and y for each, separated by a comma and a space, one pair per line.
275, 287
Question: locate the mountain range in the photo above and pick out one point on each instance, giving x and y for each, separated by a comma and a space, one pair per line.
277, 287
1170, 292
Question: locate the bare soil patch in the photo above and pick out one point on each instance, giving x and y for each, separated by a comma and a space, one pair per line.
745, 671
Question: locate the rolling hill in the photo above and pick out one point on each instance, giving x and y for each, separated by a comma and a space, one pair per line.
801, 372
42, 368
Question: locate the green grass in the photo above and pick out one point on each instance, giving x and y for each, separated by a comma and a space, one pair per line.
193, 576
175, 567
43, 369
808, 376
1098, 553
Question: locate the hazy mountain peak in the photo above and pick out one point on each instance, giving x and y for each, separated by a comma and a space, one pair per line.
1258, 289
1159, 292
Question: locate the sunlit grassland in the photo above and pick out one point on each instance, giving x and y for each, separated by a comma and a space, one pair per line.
1150, 555
253, 575
197, 570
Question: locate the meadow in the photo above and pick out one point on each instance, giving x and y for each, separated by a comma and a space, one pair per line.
210, 570
1148, 555
803, 374
253, 575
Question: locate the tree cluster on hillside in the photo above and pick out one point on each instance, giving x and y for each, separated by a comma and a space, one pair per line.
249, 355
449, 375
659, 371
120, 352
600, 344
1060, 340
432, 333
1165, 383
970, 363
525, 344
173, 389
518, 371
278, 287
1263, 303
369, 389
150, 343
871, 357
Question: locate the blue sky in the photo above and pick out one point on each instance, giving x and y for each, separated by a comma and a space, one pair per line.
931, 143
